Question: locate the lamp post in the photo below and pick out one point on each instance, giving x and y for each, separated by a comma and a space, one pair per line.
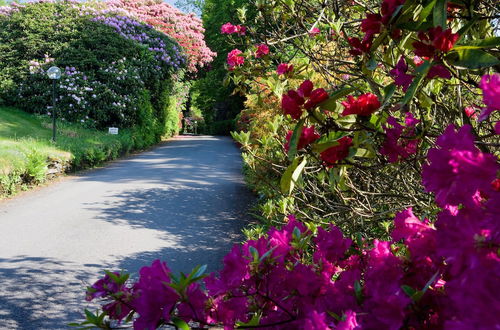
54, 73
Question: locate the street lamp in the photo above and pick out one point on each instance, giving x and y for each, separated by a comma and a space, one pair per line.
54, 73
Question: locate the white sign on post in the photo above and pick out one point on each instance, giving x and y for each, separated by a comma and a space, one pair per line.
113, 130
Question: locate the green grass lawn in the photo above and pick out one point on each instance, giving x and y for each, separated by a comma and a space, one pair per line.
26, 148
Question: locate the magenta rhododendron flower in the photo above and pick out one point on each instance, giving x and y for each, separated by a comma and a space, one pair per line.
418, 235
336, 153
364, 105
398, 144
195, 306
497, 128
156, 299
439, 71
308, 136
305, 88
284, 68
401, 78
235, 58
490, 84
292, 102
262, 50
457, 170
348, 321
330, 245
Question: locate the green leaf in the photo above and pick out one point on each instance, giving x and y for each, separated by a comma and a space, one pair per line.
265, 255
426, 11
478, 44
388, 93
422, 73
254, 253
474, 59
294, 141
439, 14
286, 179
364, 153
181, 324
371, 64
408, 290
298, 171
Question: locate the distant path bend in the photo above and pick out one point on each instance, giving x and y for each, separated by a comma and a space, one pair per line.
184, 202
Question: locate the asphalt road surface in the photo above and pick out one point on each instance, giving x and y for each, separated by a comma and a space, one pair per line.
184, 202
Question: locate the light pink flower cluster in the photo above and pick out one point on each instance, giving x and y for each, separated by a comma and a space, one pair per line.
186, 29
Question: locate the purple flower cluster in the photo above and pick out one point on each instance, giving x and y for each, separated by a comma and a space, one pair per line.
441, 275
165, 50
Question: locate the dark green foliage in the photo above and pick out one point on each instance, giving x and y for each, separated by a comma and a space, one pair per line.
223, 127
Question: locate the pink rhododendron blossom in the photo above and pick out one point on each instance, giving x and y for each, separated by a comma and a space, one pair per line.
398, 144
307, 136
314, 32
401, 78
262, 50
284, 68
228, 28
364, 105
235, 58
470, 112
490, 84
336, 153
457, 170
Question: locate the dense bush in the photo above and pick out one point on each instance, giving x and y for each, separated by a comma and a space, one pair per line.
110, 61
342, 106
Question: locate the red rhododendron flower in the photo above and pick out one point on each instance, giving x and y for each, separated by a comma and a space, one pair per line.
234, 58
336, 153
308, 136
284, 68
290, 106
365, 105
388, 8
490, 84
371, 25
401, 78
435, 39
317, 96
262, 50
305, 88
359, 47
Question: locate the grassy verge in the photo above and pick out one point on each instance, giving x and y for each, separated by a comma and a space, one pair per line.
28, 157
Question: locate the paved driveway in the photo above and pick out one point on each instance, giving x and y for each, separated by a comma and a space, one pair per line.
184, 202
